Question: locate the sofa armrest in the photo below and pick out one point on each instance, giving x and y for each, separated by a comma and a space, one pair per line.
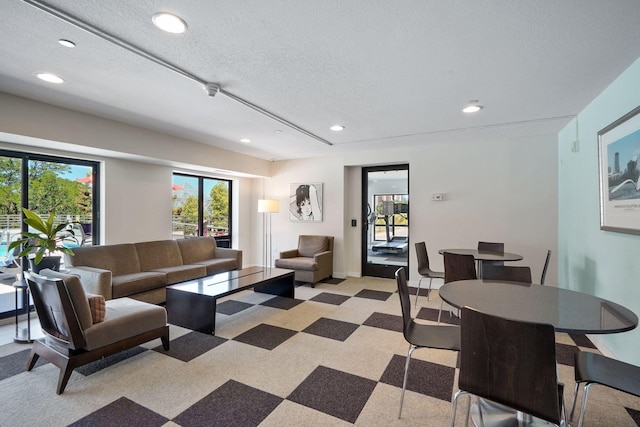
291, 253
94, 280
230, 253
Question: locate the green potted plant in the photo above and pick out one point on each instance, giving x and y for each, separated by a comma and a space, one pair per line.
43, 241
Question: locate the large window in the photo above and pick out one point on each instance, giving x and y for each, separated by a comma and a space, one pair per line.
202, 207
44, 184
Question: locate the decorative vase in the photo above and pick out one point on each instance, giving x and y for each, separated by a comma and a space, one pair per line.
51, 262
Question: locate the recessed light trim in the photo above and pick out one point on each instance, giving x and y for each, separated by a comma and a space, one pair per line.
337, 128
50, 78
66, 43
245, 140
472, 107
170, 23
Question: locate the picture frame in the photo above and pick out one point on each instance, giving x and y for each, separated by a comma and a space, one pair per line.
305, 202
619, 174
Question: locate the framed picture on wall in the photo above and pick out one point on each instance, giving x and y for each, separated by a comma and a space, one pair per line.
305, 202
619, 163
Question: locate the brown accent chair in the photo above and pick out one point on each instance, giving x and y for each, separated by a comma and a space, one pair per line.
312, 260
75, 335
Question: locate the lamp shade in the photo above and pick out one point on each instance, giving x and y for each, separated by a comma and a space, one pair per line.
268, 206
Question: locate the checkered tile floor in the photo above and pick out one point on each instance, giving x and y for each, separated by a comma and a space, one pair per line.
333, 356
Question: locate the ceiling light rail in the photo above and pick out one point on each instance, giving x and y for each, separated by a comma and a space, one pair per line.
75, 21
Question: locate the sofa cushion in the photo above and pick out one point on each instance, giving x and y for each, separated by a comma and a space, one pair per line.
77, 295
125, 317
128, 284
197, 249
181, 273
158, 254
219, 265
119, 259
297, 263
308, 246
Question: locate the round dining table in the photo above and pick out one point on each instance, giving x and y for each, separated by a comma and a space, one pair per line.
567, 310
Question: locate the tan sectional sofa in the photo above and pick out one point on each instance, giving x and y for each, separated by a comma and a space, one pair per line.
143, 270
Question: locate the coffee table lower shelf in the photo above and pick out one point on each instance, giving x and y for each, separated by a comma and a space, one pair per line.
192, 304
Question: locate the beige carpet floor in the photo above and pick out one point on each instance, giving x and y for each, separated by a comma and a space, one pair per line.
334, 356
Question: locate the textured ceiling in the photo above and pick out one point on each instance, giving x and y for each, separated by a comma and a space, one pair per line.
396, 74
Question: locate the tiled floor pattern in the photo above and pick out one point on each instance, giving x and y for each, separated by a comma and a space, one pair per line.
333, 356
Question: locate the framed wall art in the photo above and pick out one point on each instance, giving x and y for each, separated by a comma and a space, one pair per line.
619, 164
305, 202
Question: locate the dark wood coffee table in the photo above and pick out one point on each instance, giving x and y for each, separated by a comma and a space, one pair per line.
192, 304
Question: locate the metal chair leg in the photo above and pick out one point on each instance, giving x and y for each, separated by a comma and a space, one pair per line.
404, 382
418, 291
573, 403
429, 291
585, 394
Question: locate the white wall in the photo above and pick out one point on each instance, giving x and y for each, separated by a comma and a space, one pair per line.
601, 263
501, 191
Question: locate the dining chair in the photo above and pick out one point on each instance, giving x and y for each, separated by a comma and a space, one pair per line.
457, 267
424, 270
510, 362
546, 265
497, 247
421, 335
592, 368
520, 274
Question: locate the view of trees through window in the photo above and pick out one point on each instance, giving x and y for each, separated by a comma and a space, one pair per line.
44, 184
201, 207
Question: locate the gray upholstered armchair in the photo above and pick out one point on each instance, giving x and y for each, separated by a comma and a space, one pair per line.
312, 260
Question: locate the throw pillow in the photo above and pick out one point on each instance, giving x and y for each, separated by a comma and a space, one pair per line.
98, 307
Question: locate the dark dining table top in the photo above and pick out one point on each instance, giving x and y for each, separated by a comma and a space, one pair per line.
568, 311
484, 255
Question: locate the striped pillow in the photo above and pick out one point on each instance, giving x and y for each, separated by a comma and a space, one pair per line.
97, 307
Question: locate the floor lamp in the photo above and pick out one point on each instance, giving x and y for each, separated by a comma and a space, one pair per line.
267, 207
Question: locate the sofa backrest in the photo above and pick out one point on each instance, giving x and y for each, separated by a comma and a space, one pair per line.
197, 249
119, 259
158, 254
308, 246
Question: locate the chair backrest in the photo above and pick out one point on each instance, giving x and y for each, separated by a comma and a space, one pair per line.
507, 273
459, 267
56, 310
510, 362
491, 247
423, 258
546, 265
308, 245
405, 303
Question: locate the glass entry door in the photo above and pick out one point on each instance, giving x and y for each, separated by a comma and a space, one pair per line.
385, 215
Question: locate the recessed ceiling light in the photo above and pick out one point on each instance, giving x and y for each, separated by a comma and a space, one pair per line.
66, 43
50, 78
245, 140
169, 23
472, 107
337, 128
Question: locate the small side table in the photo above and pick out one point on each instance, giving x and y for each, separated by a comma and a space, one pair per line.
23, 335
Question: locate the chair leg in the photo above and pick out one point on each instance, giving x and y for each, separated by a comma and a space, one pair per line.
65, 374
418, 291
585, 394
573, 403
429, 291
440, 312
32, 359
454, 407
404, 381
